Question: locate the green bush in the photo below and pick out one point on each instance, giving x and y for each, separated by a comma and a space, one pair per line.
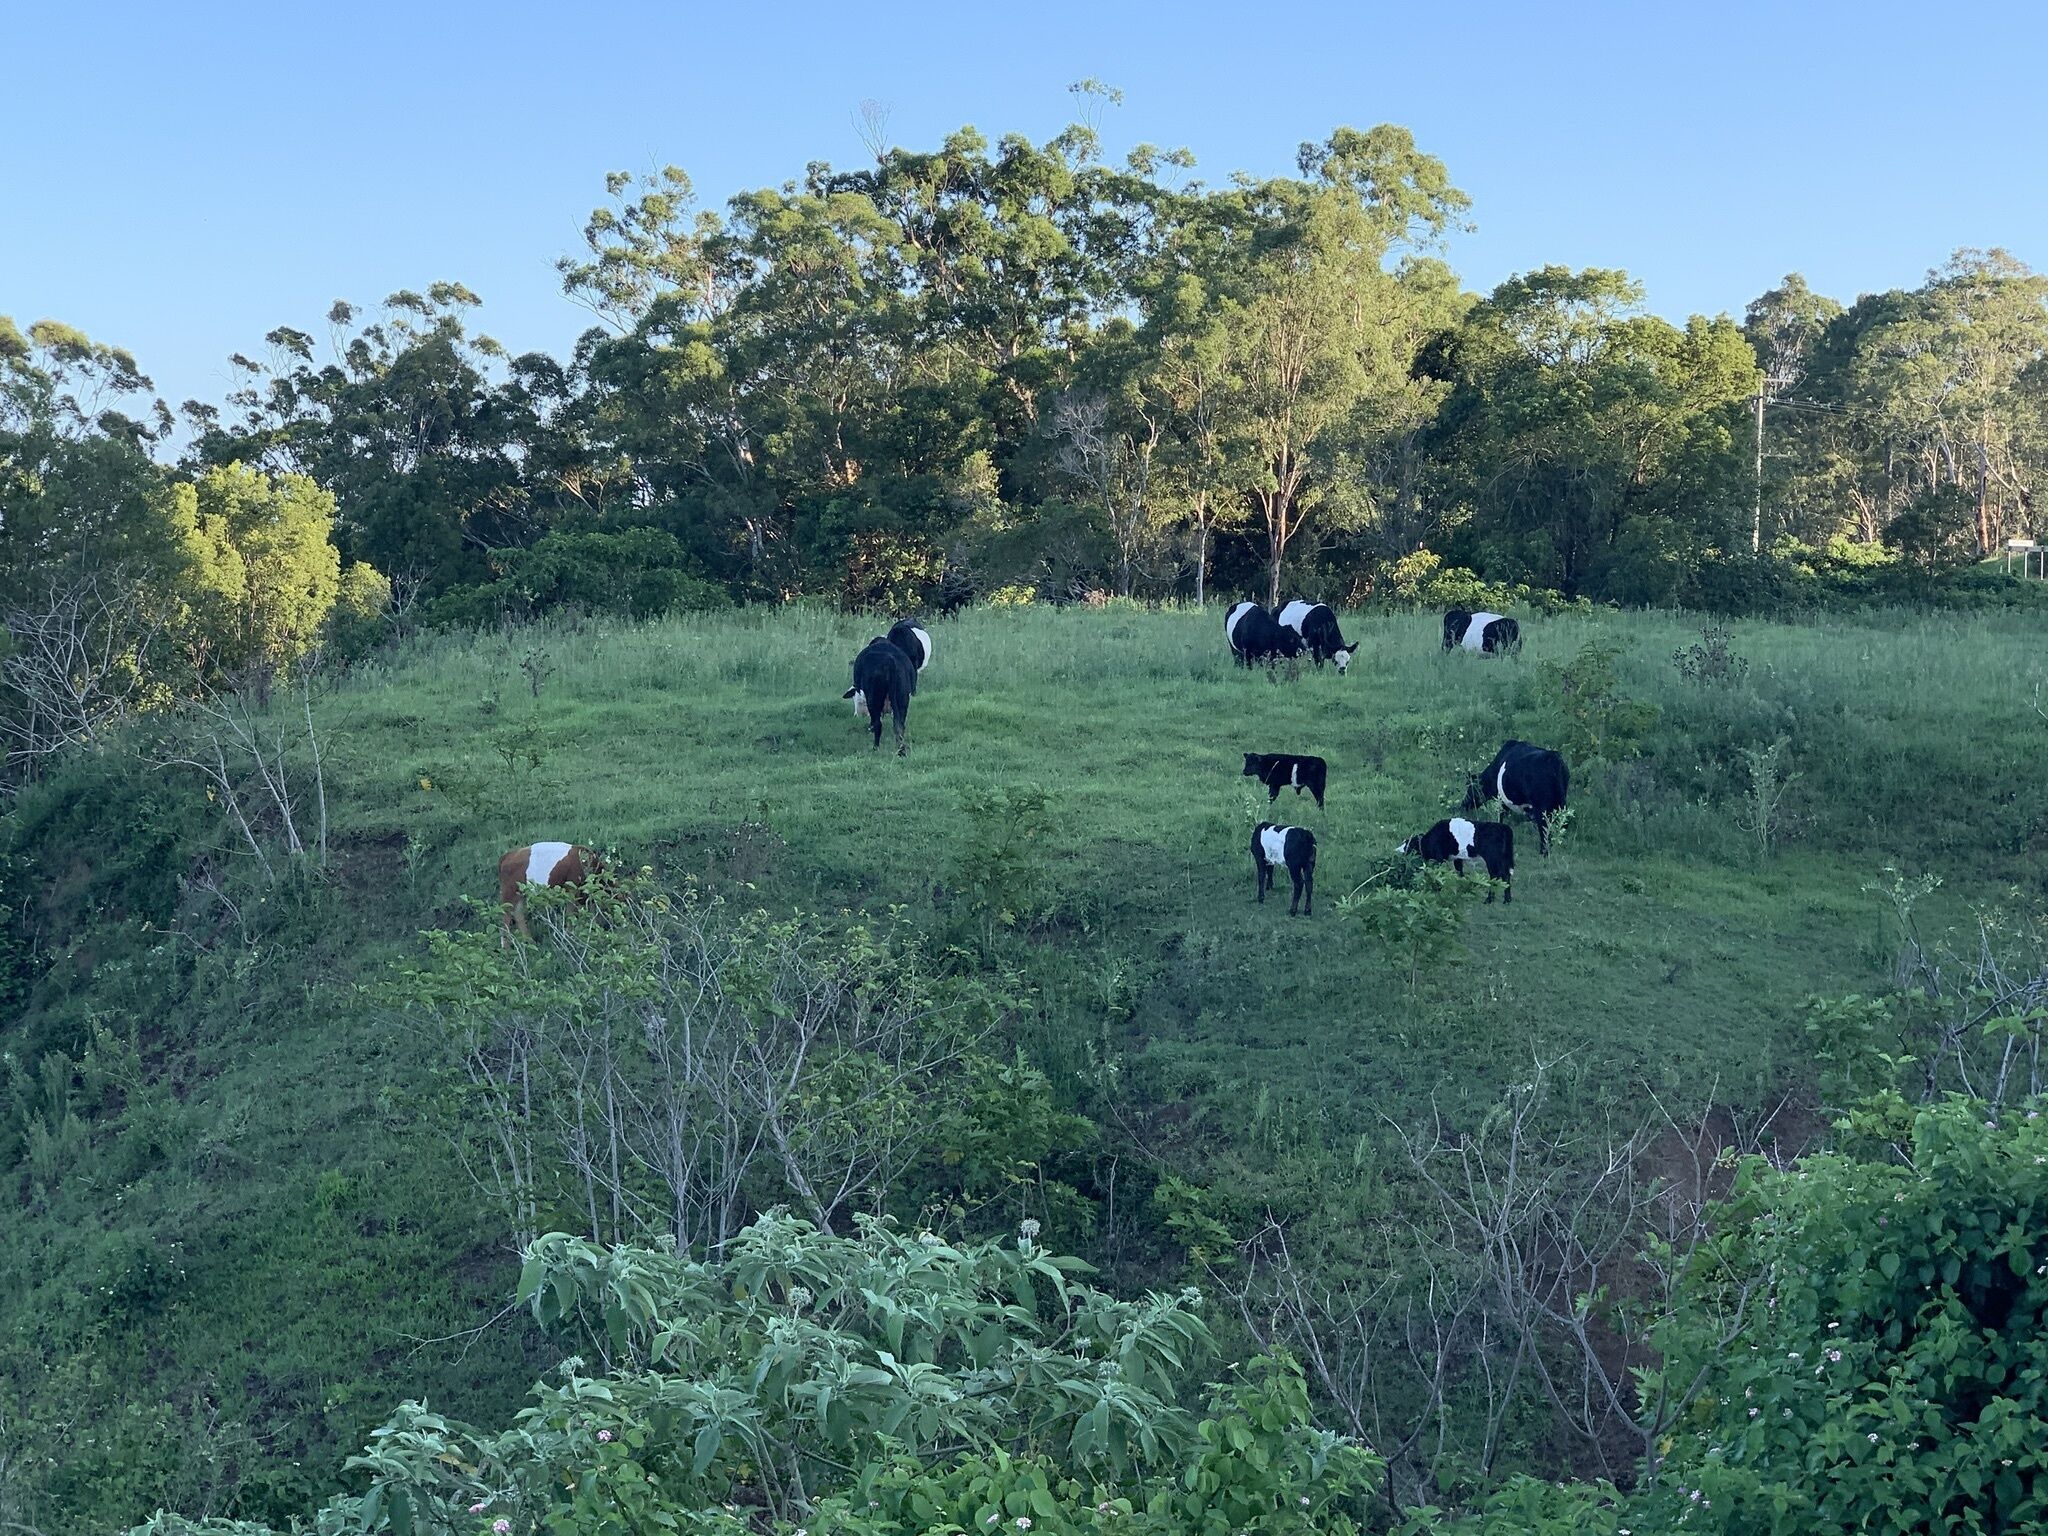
1422, 580
876, 1383
1890, 1318
640, 573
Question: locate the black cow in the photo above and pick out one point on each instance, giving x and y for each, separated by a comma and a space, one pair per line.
912, 642
1487, 632
1294, 847
1279, 770
1532, 780
1317, 626
1255, 635
883, 678
1459, 842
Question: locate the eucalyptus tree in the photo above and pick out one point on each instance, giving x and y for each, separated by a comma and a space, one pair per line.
1312, 312
1956, 376
78, 422
1788, 328
1588, 435
405, 417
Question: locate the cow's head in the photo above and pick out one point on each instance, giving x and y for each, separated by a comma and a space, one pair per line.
1254, 764
1406, 844
860, 702
1343, 657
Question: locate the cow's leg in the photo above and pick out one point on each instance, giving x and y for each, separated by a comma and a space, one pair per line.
1272, 792
1294, 906
902, 712
1543, 834
1260, 875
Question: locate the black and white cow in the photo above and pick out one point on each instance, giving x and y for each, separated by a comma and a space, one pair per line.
1255, 635
1487, 632
883, 679
1459, 842
1295, 849
1280, 770
912, 642
1317, 626
1532, 780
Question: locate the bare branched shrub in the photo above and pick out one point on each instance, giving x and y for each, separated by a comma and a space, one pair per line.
1529, 1282
77, 665
1972, 1018
263, 767
1113, 460
682, 1068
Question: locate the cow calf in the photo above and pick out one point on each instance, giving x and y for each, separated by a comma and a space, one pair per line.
1458, 842
1283, 770
1293, 847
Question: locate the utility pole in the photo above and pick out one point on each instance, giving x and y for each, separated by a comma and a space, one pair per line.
1756, 525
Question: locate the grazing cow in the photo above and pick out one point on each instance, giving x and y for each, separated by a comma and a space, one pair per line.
1317, 626
552, 864
1459, 842
1293, 847
1279, 770
1532, 780
912, 642
883, 679
1487, 632
1255, 635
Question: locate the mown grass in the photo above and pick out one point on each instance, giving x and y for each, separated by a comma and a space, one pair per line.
322, 1229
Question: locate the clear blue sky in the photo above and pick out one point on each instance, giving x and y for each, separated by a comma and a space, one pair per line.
179, 179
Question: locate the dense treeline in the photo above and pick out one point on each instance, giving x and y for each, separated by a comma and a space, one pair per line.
1022, 366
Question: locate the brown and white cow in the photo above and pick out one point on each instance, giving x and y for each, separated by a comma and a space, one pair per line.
553, 864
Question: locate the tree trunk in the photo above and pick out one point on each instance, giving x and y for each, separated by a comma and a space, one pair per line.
1984, 540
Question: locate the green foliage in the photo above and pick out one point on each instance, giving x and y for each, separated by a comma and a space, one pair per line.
1596, 720
890, 574
640, 572
1003, 871
258, 573
1416, 914
1764, 815
1420, 579
1711, 659
1890, 1359
1856, 1046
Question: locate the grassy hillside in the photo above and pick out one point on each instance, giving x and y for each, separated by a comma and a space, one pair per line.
238, 1236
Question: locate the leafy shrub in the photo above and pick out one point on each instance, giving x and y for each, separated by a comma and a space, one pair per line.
1422, 580
1764, 815
1416, 912
1712, 659
890, 573
875, 1383
1002, 867
1597, 720
1891, 1369
640, 572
